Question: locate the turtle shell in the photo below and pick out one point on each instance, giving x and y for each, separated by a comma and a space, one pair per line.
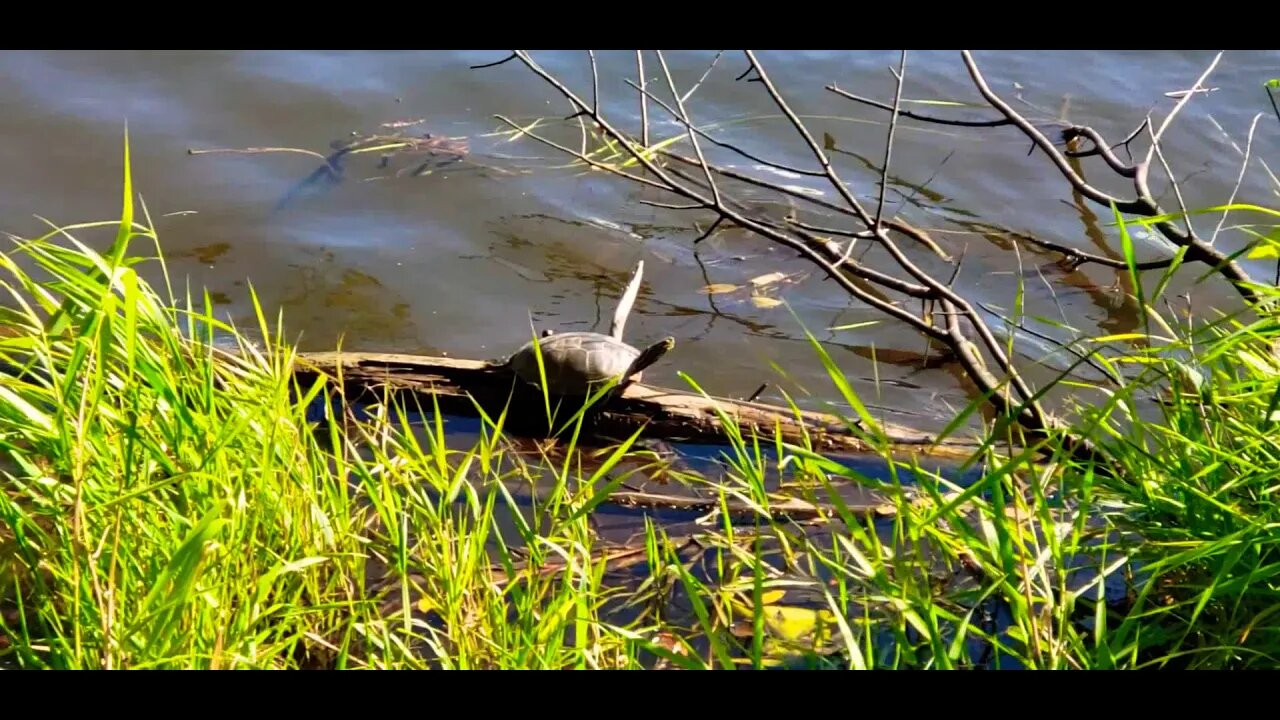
574, 361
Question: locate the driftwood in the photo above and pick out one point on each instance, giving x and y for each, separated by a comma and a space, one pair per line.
457, 386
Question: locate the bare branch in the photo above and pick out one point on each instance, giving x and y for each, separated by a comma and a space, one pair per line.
1100, 147
1144, 204
506, 59
951, 301
1044, 144
1000, 393
1076, 257
736, 217
919, 116
644, 101
814, 147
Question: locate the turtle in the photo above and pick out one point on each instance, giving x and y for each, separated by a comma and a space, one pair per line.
578, 363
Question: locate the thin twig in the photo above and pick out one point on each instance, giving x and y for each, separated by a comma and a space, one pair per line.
673, 206
814, 147
919, 116
693, 137
888, 146
1177, 191
1164, 125
595, 83
583, 157
1076, 257
915, 234
1100, 147
832, 252
1244, 165
644, 101
702, 79
721, 143
508, 58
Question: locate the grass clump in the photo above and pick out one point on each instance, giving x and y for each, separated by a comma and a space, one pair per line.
167, 502
172, 500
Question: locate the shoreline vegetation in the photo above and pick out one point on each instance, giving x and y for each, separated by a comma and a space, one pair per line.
175, 499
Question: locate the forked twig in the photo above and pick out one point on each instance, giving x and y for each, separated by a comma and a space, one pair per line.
888, 145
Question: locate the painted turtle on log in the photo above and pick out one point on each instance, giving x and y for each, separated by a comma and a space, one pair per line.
578, 363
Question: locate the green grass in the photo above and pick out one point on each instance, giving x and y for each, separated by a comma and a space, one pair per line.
169, 503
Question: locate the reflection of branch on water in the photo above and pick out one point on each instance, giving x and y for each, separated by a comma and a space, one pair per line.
1086, 358
441, 151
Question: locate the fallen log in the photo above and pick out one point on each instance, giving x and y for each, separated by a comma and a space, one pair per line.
458, 386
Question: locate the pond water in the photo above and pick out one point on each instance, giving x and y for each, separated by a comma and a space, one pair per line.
413, 253
461, 258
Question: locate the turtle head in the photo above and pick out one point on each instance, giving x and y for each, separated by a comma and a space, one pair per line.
652, 354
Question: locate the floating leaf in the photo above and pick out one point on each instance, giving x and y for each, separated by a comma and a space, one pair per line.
768, 279
771, 597
828, 142
718, 289
762, 301
794, 623
855, 326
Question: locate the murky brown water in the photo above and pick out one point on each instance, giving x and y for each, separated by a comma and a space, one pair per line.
460, 260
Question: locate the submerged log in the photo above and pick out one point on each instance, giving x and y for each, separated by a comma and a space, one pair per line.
458, 386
